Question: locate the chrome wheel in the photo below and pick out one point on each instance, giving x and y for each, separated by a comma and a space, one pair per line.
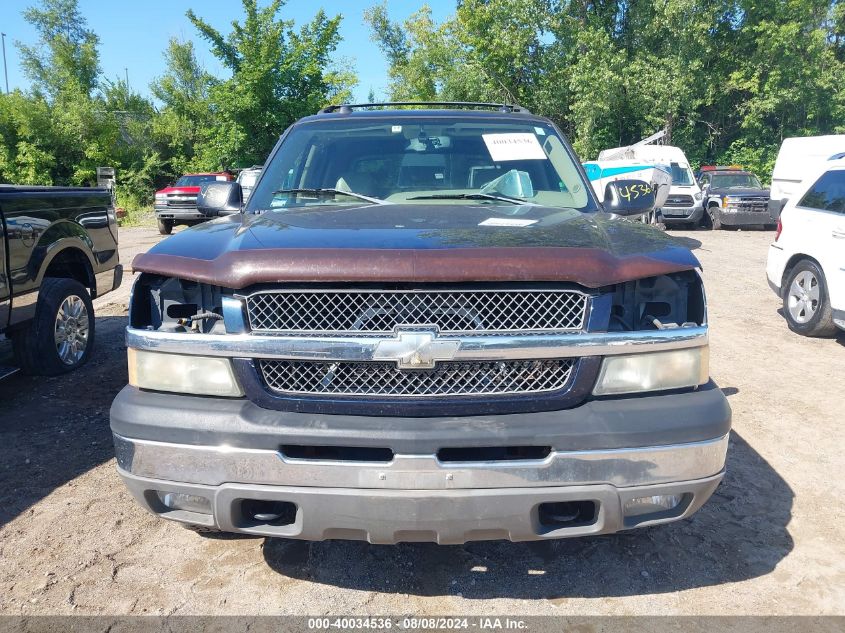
71, 331
803, 298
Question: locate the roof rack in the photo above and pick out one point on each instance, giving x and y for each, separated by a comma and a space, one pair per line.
346, 108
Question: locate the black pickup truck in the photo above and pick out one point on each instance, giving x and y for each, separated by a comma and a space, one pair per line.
734, 198
58, 251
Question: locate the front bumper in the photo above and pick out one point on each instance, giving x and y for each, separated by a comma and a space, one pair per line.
186, 214
390, 516
741, 217
609, 451
691, 214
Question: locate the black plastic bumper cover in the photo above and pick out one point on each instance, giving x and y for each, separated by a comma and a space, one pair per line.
620, 422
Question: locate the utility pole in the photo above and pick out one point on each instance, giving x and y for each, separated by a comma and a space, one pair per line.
126, 70
5, 70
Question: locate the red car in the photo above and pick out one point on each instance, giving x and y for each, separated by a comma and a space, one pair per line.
177, 204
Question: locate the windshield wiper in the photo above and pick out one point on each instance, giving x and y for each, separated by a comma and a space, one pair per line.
470, 196
319, 191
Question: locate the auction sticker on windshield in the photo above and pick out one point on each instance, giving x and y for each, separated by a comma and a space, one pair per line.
513, 146
506, 222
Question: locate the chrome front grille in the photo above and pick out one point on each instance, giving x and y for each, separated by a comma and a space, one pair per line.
376, 380
181, 201
750, 203
453, 312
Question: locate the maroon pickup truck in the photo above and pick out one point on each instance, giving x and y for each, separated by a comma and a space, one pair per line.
177, 204
422, 326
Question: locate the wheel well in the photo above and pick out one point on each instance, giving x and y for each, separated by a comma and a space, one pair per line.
71, 263
792, 263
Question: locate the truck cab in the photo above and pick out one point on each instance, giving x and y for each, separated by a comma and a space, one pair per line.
58, 251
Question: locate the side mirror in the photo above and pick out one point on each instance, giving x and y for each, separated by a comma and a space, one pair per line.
219, 198
629, 197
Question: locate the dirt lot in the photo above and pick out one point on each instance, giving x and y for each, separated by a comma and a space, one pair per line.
771, 541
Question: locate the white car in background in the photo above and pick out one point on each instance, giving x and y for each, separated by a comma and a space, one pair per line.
806, 263
247, 179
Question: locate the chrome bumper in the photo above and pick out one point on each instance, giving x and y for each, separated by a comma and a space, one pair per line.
179, 213
416, 497
469, 348
216, 465
683, 214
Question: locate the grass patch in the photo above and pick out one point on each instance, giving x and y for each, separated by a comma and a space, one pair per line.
138, 216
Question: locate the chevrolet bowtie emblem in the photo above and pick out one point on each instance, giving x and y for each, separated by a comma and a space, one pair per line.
415, 349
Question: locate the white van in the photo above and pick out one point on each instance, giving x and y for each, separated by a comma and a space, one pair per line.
247, 179
601, 173
797, 158
684, 202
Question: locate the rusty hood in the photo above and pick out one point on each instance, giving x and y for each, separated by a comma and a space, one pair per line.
417, 243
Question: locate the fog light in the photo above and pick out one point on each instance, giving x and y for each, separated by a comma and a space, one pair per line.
184, 501
648, 505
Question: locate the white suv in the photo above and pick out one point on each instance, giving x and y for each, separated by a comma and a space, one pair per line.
806, 265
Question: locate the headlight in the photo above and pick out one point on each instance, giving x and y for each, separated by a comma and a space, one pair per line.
161, 197
200, 375
697, 195
653, 371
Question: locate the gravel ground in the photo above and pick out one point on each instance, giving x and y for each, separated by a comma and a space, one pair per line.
769, 542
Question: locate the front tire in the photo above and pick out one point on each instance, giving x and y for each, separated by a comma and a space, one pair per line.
61, 336
165, 227
712, 220
806, 304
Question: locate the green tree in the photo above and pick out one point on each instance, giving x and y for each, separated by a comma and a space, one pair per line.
789, 83
185, 117
26, 140
726, 79
65, 58
278, 75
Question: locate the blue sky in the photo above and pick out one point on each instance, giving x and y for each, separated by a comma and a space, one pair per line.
133, 34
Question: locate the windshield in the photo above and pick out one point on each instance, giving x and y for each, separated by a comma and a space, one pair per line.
197, 180
735, 181
681, 175
422, 160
